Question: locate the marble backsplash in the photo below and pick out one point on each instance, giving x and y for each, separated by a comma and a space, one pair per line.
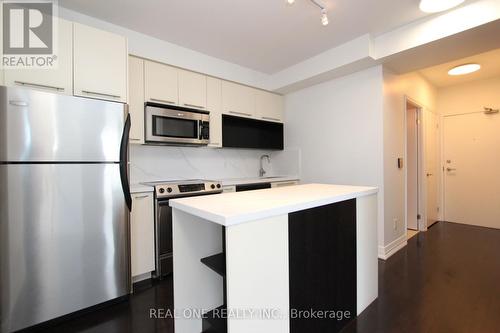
150, 163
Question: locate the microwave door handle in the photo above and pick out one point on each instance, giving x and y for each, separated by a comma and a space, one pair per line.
200, 129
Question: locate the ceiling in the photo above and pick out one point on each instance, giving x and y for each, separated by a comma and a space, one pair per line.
264, 35
490, 67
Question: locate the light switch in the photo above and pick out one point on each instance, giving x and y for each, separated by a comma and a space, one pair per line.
400, 163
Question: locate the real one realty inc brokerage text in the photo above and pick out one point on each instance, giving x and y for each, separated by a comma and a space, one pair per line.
269, 314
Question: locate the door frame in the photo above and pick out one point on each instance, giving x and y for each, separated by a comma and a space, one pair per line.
421, 190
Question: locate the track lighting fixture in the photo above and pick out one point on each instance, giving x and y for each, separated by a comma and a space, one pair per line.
317, 3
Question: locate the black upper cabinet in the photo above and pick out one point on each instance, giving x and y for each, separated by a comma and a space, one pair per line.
240, 132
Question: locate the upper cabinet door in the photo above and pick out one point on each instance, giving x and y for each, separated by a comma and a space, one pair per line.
161, 83
238, 100
136, 99
59, 79
269, 106
214, 106
192, 90
100, 64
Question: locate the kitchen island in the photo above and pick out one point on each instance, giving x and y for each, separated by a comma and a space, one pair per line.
274, 260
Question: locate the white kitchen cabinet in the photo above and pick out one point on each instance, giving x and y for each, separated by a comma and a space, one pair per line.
238, 100
285, 183
136, 99
192, 90
269, 106
100, 64
214, 106
58, 79
142, 242
161, 83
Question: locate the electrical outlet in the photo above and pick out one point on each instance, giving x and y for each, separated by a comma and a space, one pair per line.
395, 223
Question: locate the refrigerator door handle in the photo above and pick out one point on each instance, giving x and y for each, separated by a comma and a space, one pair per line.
124, 163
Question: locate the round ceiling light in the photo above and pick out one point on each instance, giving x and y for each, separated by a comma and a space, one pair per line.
435, 6
464, 69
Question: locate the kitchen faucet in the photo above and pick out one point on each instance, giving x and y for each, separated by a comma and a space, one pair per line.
262, 172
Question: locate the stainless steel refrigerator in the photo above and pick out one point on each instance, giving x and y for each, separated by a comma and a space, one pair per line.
64, 205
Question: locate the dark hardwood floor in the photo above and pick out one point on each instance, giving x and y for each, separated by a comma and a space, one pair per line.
130, 316
447, 280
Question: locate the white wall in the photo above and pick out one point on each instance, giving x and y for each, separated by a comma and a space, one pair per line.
469, 97
337, 126
396, 89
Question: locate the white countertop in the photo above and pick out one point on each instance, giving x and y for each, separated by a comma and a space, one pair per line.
238, 207
256, 180
140, 188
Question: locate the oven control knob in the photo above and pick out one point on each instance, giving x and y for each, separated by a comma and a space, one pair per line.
212, 186
169, 189
218, 185
161, 190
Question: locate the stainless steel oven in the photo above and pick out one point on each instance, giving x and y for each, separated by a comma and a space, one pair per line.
164, 191
176, 125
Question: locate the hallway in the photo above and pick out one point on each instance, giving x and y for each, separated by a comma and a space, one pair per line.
445, 280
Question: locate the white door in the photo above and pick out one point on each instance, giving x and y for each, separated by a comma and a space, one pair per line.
214, 105
411, 169
192, 90
59, 79
432, 166
100, 64
269, 106
161, 83
142, 232
136, 99
238, 100
471, 162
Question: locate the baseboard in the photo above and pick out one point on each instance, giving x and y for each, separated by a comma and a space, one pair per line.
141, 277
385, 252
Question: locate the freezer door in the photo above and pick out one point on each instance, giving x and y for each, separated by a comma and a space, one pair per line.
39, 126
64, 240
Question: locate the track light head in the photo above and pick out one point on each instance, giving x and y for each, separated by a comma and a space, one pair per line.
324, 17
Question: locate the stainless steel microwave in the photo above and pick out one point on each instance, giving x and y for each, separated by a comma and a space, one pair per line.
176, 125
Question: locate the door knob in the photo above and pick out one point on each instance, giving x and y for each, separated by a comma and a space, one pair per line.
450, 169
429, 174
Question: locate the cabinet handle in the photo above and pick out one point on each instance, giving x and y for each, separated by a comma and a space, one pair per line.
100, 94
271, 118
241, 113
141, 196
162, 101
132, 139
35, 85
18, 103
194, 106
